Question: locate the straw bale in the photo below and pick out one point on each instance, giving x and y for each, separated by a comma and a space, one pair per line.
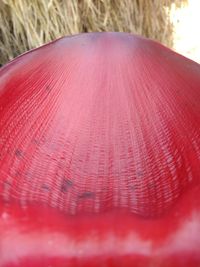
26, 24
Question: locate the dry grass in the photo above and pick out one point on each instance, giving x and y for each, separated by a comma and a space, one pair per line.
25, 24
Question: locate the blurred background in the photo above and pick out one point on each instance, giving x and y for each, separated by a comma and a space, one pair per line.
26, 24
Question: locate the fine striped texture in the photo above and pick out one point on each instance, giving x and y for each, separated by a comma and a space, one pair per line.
98, 122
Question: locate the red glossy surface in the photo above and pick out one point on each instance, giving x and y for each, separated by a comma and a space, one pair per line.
39, 236
100, 155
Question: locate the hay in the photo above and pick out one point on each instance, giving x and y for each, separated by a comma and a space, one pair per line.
26, 24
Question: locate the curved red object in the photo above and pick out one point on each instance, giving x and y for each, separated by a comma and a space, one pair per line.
100, 155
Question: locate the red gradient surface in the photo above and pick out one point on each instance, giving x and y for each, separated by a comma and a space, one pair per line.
100, 155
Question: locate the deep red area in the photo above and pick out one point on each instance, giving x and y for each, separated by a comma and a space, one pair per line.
40, 236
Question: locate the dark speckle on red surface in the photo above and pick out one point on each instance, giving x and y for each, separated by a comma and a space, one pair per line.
18, 153
66, 184
45, 187
36, 141
48, 88
87, 194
